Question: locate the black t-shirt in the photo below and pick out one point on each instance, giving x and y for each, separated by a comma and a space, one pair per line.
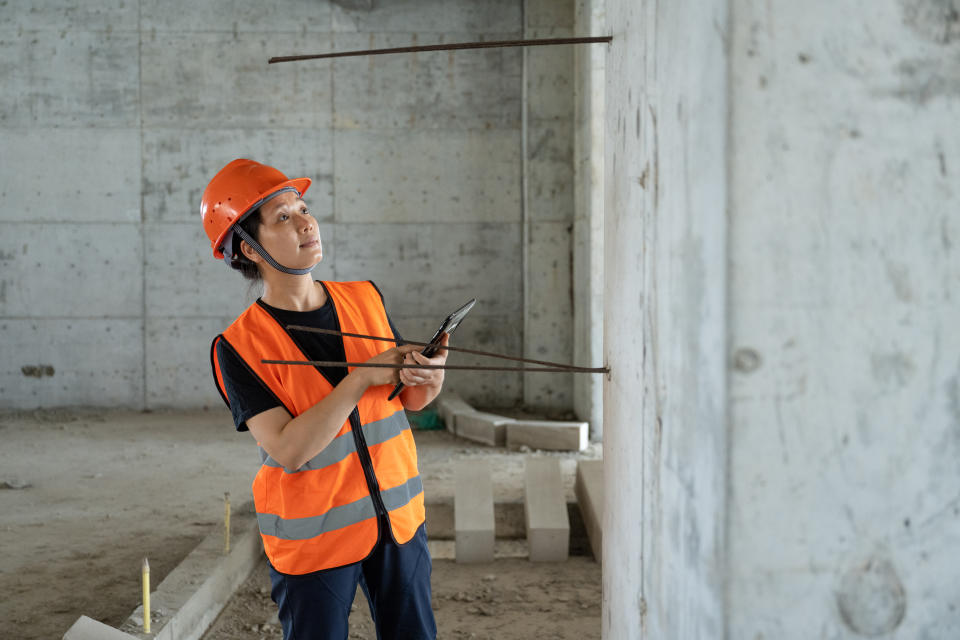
248, 396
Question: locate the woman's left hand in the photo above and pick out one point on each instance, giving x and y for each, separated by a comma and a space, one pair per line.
425, 377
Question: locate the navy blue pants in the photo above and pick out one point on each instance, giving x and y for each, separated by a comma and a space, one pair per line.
395, 579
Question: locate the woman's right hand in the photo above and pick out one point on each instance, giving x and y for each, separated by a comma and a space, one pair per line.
374, 376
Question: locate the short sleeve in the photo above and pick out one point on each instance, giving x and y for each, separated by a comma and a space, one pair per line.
247, 395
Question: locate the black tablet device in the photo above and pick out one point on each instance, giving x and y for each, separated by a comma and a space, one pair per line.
449, 324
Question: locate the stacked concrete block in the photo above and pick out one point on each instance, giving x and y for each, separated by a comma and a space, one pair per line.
487, 428
473, 512
547, 435
545, 508
589, 491
449, 406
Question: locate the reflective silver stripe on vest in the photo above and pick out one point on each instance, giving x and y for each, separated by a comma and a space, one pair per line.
337, 517
376, 432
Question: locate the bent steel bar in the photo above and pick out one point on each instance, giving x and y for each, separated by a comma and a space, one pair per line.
447, 47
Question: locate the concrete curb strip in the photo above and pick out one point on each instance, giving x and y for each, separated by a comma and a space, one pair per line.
181, 610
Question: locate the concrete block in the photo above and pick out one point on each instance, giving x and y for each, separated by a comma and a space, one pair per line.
427, 176
89, 629
588, 488
97, 175
478, 426
222, 80
244, 16
57, 269
548, 526
73, 79
175, 376
449, 404
441, 91
177, 163
473, 511
548, 435
439, 17
71, 361
445, 263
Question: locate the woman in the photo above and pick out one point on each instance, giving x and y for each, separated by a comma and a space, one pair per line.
338, 496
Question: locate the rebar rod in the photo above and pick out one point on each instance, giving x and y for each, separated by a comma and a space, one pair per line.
493, 44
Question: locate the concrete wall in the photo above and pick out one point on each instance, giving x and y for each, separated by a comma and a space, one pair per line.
548, 201
844, 515
115, 114
664, 427
590, 115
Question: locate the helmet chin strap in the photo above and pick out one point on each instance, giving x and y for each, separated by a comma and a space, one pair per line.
246, 237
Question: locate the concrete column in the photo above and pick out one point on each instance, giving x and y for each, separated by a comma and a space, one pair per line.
664, 307
548, 202
589, 115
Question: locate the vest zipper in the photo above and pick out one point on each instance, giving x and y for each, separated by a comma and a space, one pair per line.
367, 463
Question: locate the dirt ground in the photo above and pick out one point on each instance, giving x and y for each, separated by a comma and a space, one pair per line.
509, 599
86, 495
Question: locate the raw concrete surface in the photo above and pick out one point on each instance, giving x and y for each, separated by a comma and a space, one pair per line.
86, 495
844, 505
120, 112
508, 599
664, 401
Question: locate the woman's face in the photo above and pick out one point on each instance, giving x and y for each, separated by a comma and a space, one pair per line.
289, 233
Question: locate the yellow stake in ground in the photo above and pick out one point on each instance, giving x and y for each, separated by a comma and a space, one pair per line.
146, 596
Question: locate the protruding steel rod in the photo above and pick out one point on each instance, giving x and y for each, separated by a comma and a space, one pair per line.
448, 47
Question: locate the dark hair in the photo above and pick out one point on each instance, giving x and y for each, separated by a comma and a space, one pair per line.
240, 262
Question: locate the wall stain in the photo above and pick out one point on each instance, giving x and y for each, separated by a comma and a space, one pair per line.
643, 176
943, 163
746, 360
935, 20
37, 371
892, 368
897, 275
656, 159
871, 599
923, 79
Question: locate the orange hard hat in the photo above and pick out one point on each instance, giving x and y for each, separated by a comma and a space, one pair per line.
236, 190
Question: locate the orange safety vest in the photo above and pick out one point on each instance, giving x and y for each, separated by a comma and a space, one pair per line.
325, 514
